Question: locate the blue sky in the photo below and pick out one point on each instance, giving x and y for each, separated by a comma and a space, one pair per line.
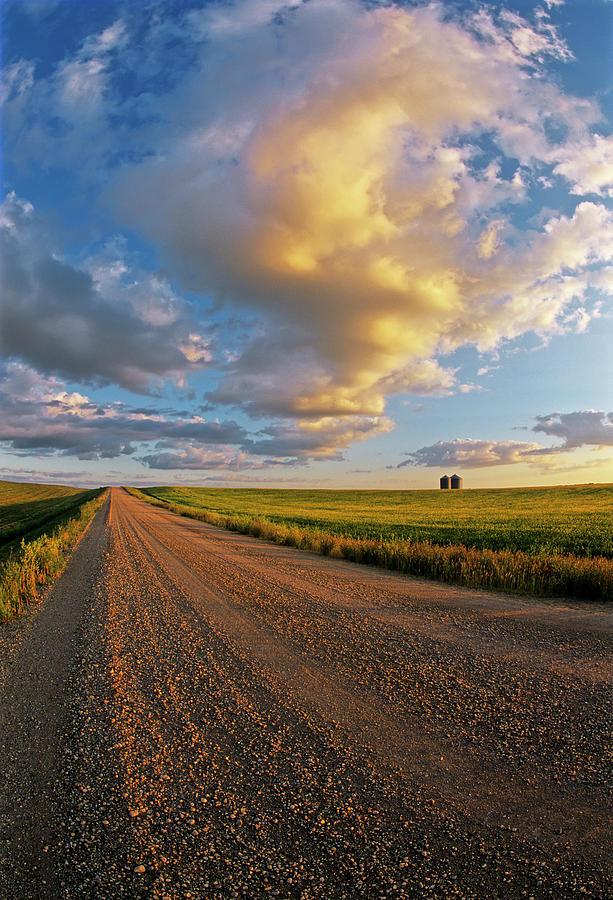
327, 244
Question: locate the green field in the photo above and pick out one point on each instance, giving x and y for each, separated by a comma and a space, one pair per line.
29, 510
554, 541
552, 520
39, 523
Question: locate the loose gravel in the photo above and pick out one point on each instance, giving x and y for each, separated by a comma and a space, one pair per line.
196, 714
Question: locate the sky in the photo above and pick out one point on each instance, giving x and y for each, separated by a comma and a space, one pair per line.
328, 244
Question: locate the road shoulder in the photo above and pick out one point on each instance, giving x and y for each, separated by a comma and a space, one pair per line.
39, 658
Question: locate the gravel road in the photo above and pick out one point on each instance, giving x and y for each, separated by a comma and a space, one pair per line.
195, 714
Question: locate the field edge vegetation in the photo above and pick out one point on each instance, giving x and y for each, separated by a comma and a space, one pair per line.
28, 510
39, 560
540, 574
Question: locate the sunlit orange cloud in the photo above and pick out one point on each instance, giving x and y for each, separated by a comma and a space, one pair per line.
349, 211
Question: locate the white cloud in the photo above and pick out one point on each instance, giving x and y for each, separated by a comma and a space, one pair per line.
536, 42
489, 239
80, 85
17, 79
223, 21
588, 165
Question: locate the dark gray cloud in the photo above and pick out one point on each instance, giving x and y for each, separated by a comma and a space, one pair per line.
584, 428
469, 454
188, 456
578, 429
42, 475
40, 416
96, 325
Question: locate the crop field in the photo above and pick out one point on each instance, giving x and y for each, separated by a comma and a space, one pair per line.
547, 541
27, 510
576, 519
38, 525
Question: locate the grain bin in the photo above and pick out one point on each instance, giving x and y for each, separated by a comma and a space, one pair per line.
456, 482
445, 482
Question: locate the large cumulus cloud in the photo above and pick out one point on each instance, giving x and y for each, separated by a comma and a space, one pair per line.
326, 168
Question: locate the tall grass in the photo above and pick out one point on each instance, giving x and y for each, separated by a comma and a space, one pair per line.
39, 560
542, 574
30, 510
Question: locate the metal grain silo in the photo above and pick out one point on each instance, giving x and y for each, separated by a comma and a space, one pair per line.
445, 482
456, 482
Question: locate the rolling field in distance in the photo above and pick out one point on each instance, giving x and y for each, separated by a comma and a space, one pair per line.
27, 510
575, 519
39, 523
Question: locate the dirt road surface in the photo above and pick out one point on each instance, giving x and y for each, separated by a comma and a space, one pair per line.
196, 714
